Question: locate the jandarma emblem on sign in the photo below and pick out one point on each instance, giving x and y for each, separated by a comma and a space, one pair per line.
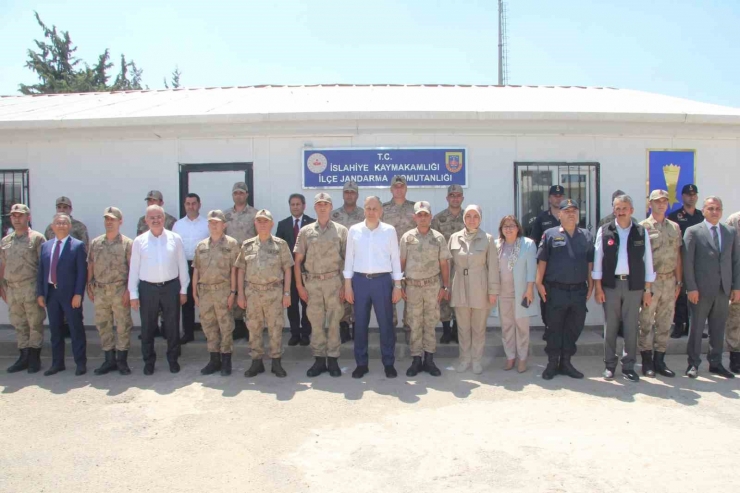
454, 161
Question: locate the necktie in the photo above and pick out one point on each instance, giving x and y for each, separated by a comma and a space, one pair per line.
716, 238
295, 229
55, 262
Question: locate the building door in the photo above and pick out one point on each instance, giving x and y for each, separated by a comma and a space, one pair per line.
213, 182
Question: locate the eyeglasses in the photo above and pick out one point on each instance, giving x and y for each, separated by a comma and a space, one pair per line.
509, 226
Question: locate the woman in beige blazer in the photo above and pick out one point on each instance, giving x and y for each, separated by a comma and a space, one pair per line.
475, 286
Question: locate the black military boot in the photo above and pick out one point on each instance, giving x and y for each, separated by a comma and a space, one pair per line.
213, 365
734, 362
553, 367
225, 364
344, 332
256, 368
277, 368
567, 368
34, 359
647, 363
659, 365
415, 368
429, 365
109, 364
317, 369
454, 332
446, 333
334, 369
21, 363
122, 362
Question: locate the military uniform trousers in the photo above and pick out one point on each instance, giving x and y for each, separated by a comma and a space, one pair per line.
25, 313
471, 331
324, 307
265, 309
656, 320
422, 317
566, 315
109, 308
216, 319
732, 331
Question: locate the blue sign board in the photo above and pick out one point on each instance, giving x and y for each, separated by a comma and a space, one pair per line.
670, 170
375, 167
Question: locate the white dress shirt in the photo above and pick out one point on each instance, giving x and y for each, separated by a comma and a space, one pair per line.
157, 259
372, 251
711, 235
54, 247
192, 233
623, 268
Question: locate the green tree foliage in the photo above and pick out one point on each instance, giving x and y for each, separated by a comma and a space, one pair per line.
175, 79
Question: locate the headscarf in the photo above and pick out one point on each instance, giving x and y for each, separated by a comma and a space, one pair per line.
467, 232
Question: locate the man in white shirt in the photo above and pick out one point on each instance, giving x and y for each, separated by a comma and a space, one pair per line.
158, 278
193, 228
623, 274
372, 278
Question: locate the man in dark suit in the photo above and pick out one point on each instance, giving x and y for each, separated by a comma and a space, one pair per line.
711, 263
287, 229
60, 286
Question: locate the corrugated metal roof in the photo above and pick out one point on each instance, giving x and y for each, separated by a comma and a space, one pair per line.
343, 101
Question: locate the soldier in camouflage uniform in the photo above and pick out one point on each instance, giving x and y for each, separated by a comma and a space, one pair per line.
322, 244
19, 263
348, 215
263, 279
240, 226
399, 213
424, 259
78, 229
214, 278
447, 222
154, 197
108, 263
665, 242
732, 331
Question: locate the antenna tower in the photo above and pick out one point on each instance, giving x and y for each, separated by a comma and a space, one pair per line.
503, 45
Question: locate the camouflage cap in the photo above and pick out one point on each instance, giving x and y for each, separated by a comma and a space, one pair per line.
20, 209
240, 185
689, 189
568, 203
557, 190
658, 194
422, 206
351, 185
264, 214
216, 215
322, 197
454, 189
398, 179
113, 212
154, 195
64, 201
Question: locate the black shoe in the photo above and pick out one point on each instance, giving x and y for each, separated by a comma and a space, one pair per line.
734, 362
429, 365
34, 359
256, 368
334, 369
360, 371
122, 362
659, 364
390, 372
704, 335
692, 371
225, 364
454, 332
80, 370
213, 365
647, 363
630, 375
446, 333
318, 368
415, 368
108, 365
344, 332
148, 368
720, 370
21, 363
186, 338
54, 370
294, 340
277, 368
305, 340
566, 368
174, 367
677, 331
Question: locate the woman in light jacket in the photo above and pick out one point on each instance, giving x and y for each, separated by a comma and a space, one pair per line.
475, 286
518, 268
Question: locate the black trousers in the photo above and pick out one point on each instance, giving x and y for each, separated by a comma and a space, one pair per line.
566, 315
188, 309
299, 323
58, 309
152, 297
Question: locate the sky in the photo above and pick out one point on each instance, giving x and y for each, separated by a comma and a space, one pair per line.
683, 48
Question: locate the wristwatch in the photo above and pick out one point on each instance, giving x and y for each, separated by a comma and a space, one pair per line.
679, 283
397, 286
286, 293
445, 288
233, 292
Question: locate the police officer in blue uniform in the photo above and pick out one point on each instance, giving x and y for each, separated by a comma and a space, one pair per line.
685, 217
565, 260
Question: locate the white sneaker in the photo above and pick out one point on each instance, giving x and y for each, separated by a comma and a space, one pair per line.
462, 367
477, 368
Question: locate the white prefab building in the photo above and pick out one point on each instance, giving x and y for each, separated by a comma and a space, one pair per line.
111, 149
